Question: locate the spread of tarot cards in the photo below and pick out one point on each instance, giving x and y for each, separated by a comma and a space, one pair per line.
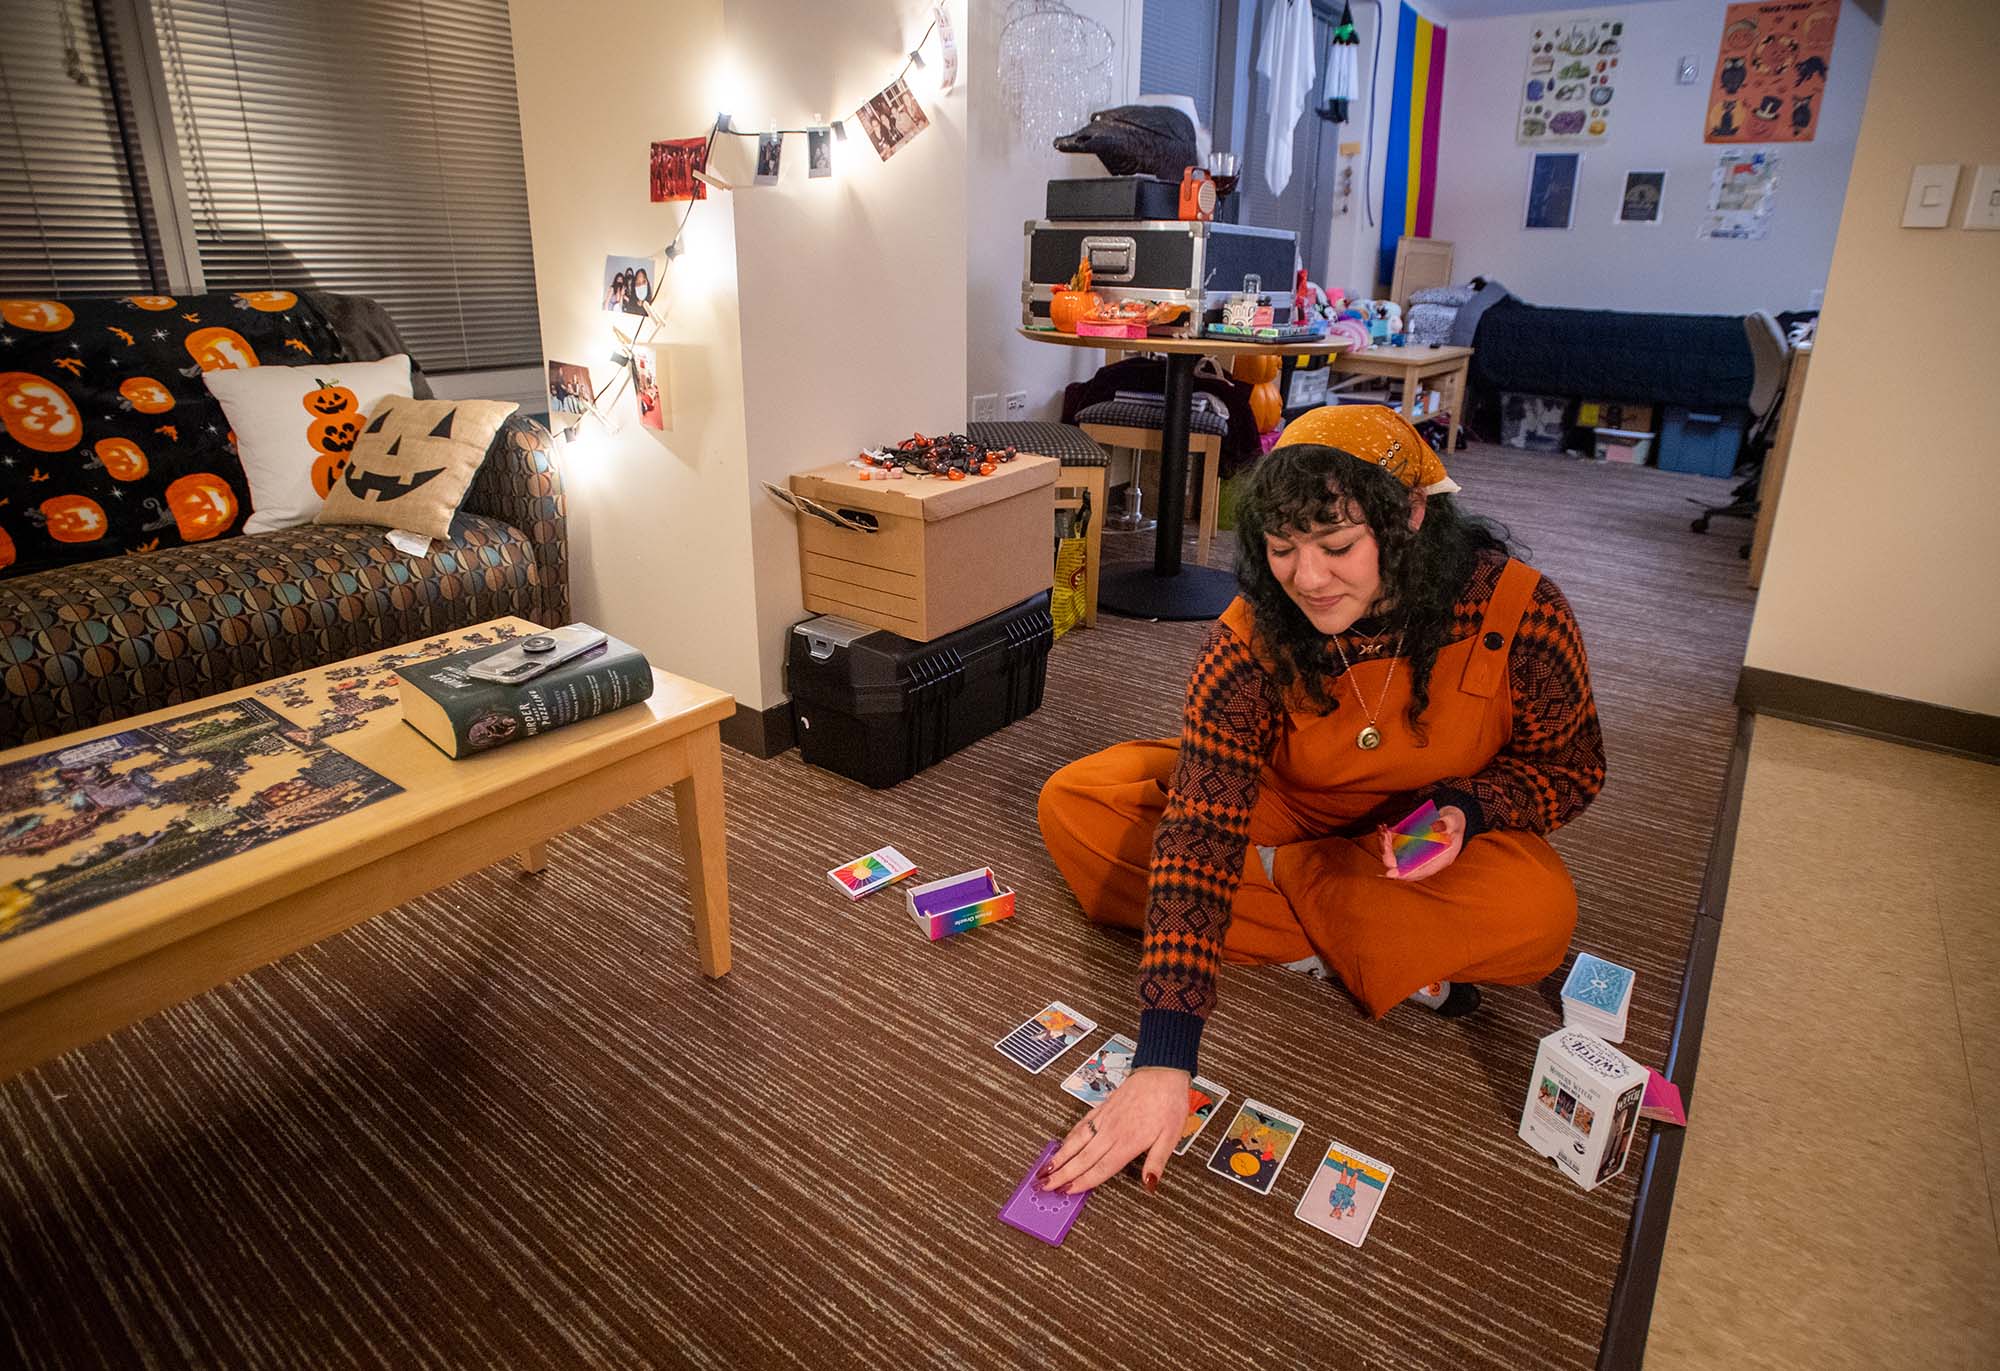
1341, 1197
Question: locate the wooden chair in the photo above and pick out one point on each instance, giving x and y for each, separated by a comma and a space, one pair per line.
1111, 424
1084, 464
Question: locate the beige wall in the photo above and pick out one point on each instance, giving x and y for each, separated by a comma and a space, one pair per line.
805, 319
1886, 549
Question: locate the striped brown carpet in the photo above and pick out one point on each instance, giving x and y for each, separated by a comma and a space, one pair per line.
509, 1125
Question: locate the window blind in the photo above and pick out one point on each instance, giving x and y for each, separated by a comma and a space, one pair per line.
1177, 52
70, 220
371, 147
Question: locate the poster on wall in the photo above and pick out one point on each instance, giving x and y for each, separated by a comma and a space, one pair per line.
1552, 190
1741, 196
1640, 203
1566, 96
1770, 74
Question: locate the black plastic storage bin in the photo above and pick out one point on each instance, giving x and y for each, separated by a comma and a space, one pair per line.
879, 708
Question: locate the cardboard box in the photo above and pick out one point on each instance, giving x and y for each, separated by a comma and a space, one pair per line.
957, 903
1583, 1106
933, 555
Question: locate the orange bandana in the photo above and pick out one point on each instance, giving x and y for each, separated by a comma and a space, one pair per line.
1374, 433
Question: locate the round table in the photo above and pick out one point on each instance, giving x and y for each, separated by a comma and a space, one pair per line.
1163, 588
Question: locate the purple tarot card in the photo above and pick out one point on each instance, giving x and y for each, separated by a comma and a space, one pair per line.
1042, 1213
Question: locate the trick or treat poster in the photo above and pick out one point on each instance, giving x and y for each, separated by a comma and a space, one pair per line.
1771, 72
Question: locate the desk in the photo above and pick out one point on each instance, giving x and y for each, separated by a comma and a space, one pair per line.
1416, 364
1164, 589
72, 977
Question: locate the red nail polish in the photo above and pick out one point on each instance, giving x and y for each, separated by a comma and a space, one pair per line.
1152, 1183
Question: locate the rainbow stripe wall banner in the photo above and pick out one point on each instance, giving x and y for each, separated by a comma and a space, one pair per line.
1409, 182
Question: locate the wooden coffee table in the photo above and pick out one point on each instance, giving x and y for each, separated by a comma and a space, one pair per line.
69, 979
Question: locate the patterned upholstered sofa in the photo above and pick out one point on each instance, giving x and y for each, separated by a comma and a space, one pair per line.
154, 624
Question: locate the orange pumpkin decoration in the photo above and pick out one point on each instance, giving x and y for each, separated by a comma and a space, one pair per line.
220, 349
326, 470
336, 433
330, 399
6, 548
122, 457
1267, 405
38, 413
75, 519
43, 316
203, 505
269, 301
1067, 306
146, 395
153, 302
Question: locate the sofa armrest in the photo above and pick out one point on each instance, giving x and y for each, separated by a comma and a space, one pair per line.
520, 483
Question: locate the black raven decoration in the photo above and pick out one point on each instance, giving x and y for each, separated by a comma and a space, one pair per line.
1153, 140
1814, 66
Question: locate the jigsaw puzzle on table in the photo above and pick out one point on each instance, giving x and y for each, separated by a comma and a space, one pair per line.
91, 822
345, 698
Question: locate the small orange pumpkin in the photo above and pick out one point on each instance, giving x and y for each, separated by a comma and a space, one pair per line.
269, 301
75, 519
153, 302
1267, 404
1067, 306
43, 316
146, 395
330, 399
203, 505
6, 548
220, 349
123, 458
38, 413
336, 433
326, 469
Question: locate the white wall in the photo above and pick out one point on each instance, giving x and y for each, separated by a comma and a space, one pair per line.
1483, 174
1883, 556
1007, 186
805, 320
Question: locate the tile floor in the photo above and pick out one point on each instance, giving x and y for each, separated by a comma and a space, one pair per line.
1836, 1202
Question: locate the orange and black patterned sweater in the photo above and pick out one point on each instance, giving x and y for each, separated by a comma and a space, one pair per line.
1549, 769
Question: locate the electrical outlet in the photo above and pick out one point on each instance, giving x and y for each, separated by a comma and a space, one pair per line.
1982, 210
985, 408
1017, 405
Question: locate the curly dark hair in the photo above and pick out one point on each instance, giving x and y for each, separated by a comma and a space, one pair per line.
1306, 486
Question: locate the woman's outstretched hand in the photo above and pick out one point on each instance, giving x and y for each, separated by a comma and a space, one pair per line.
1454, 827
1144, 1115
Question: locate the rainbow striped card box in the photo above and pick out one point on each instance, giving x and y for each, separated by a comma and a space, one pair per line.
956, 903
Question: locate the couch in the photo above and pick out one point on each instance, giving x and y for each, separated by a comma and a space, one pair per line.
107, 638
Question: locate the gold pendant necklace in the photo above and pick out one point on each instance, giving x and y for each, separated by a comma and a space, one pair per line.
1370, 737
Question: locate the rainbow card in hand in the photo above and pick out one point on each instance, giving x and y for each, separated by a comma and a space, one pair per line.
1419, 838
884, 866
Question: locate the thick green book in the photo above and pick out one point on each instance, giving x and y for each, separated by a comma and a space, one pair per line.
462, 714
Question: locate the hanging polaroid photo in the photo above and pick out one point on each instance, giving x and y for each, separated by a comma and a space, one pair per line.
628, 284
570, 390
1640, 204
674, 165
819, 152
649, 384
892, 119
770, 153
948, 46
1552, 190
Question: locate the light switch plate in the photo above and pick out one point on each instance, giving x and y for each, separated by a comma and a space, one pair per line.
1687, 71
1932, 184
1982, 207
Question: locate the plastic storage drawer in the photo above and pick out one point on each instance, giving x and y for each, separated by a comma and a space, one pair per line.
1702, 441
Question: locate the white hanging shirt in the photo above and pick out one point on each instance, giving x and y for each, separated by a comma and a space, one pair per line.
1286, 61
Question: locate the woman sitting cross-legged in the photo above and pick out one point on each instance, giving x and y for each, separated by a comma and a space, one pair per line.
1385, 651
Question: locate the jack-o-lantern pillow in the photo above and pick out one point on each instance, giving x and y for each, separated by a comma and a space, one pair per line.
413, 462
297, 426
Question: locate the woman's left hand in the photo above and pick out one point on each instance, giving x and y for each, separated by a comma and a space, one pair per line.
1454, 826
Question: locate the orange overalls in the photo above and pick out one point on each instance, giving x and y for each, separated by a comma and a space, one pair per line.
1501, 913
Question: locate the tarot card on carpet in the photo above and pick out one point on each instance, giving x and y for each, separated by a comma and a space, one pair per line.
1345, 1192
1040, 1213
1045, 1037
1204, 1098
1253, 1150
1103, 1071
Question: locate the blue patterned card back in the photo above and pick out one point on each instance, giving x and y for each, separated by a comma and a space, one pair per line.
1598, 983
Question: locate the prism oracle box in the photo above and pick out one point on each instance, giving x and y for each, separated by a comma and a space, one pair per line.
1583, 1106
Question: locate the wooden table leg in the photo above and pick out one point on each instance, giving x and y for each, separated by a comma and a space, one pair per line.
1413, 386
1457, 401
698, 807
534, 858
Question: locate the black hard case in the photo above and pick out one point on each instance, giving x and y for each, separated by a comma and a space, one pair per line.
879, 708
1114, 197
1181, 260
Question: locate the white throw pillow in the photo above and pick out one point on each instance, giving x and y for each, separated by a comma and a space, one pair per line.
295, 427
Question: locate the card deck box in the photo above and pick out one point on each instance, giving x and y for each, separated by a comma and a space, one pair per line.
1583, 1106
956, 903
1177, 261
878, 708
923, 557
